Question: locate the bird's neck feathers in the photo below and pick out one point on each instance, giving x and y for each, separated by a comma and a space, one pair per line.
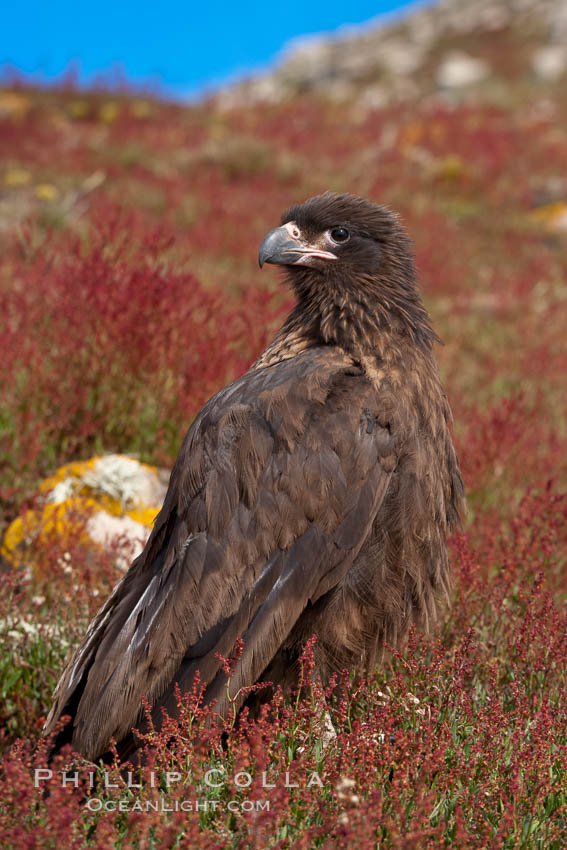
363, 316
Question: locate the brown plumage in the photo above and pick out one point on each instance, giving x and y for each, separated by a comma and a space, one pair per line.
312, 495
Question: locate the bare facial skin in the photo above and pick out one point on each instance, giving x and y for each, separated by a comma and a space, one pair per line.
286, 245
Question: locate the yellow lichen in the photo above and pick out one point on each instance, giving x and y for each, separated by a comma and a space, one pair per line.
108, 112
79, 108
144, 515
16, 177
68, 499
65, 520
46, 192
552, 216
76, 469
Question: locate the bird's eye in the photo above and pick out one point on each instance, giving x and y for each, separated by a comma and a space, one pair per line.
340, 234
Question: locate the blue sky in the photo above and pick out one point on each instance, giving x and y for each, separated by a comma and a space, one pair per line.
186, 46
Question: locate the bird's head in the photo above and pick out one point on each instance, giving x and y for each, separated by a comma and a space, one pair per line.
333, 234
349, 258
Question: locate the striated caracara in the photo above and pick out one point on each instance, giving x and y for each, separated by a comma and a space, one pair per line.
313, 495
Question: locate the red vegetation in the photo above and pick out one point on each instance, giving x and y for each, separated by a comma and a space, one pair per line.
109, 344
129, 294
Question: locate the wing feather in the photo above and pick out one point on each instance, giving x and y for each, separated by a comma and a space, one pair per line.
272, 497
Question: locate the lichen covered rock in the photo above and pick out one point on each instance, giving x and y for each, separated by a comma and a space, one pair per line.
105, 502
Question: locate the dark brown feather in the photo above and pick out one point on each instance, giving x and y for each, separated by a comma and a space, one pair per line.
312, 495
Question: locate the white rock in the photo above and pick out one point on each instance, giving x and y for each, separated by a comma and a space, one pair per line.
494, 17
459, 69
400, 57
125, 479
306, 58
376, 96
422, 28
550, 62
339, 90
557, 21
62, 491
104, 528
560, 222
266, 90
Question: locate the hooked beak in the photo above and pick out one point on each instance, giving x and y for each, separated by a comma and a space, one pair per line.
281, 248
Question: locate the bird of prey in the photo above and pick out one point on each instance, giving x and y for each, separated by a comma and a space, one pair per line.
313, 495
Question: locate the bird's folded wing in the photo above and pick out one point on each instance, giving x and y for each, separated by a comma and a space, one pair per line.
271, 499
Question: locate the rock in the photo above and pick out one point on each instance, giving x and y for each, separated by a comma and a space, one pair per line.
124, 479
376, 96
390, 49
552, 216
556, 15
459, 69
400, 57
421, 28
550, 62
107, 502
105, 529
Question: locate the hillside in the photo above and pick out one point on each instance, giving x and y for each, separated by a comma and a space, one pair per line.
492, 49
130, 292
